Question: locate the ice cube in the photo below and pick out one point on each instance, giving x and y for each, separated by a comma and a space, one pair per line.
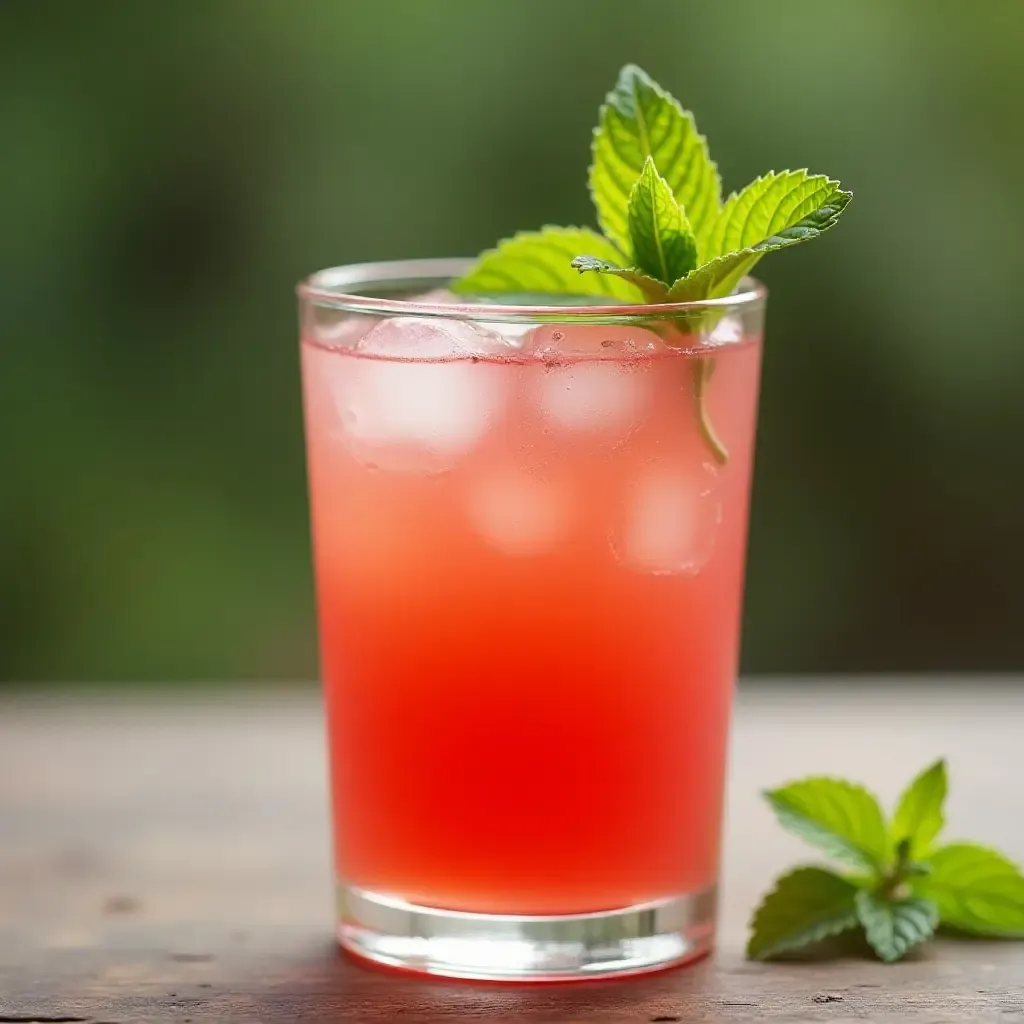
519, 514
424, 337
513, 335
671, 521
334, 329
727, 331
595, 396
516, 336
596, 377
418, 403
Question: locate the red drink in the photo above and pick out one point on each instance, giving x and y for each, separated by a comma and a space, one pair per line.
529, 571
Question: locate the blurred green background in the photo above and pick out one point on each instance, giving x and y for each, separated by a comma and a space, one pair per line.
167, 172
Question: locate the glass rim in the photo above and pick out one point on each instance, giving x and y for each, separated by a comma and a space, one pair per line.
333, 286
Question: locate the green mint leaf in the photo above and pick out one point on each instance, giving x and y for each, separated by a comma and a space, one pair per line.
641, 120
976, 889
653, 291
774, 211
805, 906
892, 926
918, 818
770, 213
838, 817
663, 243
716, 278
539, 261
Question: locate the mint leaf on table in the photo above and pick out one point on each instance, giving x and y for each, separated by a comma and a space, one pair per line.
976, 889
899, 885
918, 818
666, 235
892, 926
640, 121
806, 906
843, 820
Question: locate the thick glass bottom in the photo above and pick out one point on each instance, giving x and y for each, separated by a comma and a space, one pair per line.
632, 940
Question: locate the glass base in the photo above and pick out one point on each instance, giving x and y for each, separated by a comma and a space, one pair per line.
493, 947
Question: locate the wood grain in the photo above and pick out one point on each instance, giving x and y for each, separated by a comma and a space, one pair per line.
167, 860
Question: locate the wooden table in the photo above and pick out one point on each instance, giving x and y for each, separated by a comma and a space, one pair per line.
167, 860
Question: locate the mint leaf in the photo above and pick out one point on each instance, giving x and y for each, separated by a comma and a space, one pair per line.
663, 243
653, 291
976, 889
893, 926
805, 906
918, 817
771, 213
900, 897
774, 211
716, 278
838, 817
539, 261
641, 120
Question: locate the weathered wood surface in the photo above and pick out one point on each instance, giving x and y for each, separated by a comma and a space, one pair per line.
168, 861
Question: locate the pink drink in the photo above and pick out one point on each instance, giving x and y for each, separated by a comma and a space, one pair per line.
529, 575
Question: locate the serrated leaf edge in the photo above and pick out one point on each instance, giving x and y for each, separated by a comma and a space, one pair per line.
921, 851
862, 898
715, 201
770, 243
825, 931
643, 197
865, 859
921, 887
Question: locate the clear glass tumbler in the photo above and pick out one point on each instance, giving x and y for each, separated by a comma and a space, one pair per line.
529, 530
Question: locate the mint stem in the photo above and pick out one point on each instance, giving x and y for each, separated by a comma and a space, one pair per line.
701, 376
894, 885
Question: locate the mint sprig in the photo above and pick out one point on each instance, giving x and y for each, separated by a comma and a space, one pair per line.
896, 884
666, 235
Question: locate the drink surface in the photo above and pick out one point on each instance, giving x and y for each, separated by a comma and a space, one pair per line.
529, 573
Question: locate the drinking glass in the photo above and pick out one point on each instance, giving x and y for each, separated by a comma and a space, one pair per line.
529, 529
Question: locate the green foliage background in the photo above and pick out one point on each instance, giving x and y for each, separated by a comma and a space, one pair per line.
167, 171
